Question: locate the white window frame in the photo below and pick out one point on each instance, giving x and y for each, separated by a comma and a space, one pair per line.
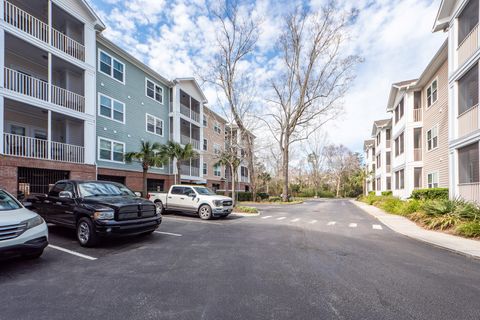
111, 150
433, 183
155, 85
205, 169
217, 147
111, 106
100, 51
155, 125
205, 121
217, 169
203, 145
432, 138
217, 128
431, 93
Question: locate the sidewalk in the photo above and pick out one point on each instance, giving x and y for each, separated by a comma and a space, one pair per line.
408, 228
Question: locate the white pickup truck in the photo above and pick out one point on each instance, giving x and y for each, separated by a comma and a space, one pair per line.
194, 199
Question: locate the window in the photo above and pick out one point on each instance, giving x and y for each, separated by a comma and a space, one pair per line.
432, 138
205, 144
154, 91
155, 185
432, 93
154, 125
205, 168
244, 172
388, 158
468, 90
217, 128
217, 149
177, 190
205, 121
379, 138
18, 130
110, 150
388, 135
216, 170
399, 111
468, 165
111, 67
399, 179
389, 183
379, 184
399, 145
379, 161
432, 180
467, 20
111, 108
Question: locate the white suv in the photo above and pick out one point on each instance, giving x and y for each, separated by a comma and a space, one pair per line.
22, 232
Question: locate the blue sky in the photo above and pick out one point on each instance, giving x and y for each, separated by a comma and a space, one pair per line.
176, 38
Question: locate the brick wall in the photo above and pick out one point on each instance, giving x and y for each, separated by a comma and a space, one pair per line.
134, 179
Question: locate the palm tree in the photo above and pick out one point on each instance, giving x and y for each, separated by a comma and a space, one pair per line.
175, 151
148, 156
231, 160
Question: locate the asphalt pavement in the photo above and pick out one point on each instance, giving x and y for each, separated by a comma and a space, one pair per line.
324, 259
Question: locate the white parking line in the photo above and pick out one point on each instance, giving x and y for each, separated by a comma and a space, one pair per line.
313, 221
377, 227
84, 256
197, 220
266, 217
169, 233
331, 223
281, 218
295, 220
352, 225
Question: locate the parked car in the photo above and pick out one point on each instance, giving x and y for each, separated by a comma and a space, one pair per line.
194, 199
96, 209
22, 232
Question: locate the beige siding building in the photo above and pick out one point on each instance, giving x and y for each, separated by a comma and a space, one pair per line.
434, 89
212, 145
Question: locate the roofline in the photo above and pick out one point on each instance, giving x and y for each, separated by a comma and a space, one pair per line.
211, 110
178, 80
394, 91
94, 14
437, 58
103, 40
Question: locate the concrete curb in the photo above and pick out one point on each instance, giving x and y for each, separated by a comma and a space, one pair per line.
240, 214
402, 225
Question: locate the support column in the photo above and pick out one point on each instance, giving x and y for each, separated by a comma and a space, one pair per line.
50, 22
49, 134
49, 77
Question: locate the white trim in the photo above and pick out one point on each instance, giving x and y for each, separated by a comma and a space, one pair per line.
154, 92
438, 179
155, 124
111, 141
426, 137
205, 169
426, 93
111, 72
203, 144
112, 108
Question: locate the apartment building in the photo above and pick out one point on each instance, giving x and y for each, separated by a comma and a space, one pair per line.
185, 115
212, 146
369, 154
233, 137
47, 92
407, 166
433, 86
459, 19
382, 132
132, 106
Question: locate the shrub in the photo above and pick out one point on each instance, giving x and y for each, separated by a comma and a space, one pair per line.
244, 196
387, 193
262, 195
439, 207
469, 229
275, 199
371, 199
430, 194
443, 222
391, 205
245, 209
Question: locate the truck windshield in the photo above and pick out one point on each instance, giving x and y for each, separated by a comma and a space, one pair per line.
204, 191
7, 202
103, 189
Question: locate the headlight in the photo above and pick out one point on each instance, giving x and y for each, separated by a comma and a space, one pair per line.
33, 222
104, 215
217, 203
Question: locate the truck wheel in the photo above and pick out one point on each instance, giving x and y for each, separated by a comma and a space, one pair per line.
205, 212
160, 208
86, 235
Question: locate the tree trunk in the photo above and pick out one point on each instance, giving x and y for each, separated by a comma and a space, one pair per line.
251, 167
233, 186
178, 175
338, 188
285, 173
145, 187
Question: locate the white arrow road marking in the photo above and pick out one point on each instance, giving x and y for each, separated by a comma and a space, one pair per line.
377, 227
313, 221
281, 218
331, 223
295, 220
78, 254
352, 225
266, 217
169, 233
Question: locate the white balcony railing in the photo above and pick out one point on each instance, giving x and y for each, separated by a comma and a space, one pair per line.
417, 115
68, 99
25, 84
189, 171
26, 22
36, 88
186, 111
186, 140
468, 46
470, 192
468, 121
27, 147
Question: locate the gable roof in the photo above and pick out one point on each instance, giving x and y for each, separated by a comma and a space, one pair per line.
380, 124
99, 25
436, 63
397, 88
192, 79
442, 20
367, 144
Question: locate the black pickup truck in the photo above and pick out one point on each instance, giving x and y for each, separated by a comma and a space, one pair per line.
96, 209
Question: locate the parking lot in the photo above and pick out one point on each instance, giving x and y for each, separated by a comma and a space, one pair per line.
318, 260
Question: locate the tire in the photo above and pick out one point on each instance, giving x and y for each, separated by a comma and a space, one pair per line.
205, 212
35, 255
86, 235
159, 206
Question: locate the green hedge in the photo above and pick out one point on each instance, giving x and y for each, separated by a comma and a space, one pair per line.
263, 195
430, 194
241, 195
387, 193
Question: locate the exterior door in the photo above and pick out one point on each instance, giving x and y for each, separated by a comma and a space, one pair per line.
187, 202
175, 197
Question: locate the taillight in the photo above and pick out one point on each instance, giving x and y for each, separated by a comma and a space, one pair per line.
149, 196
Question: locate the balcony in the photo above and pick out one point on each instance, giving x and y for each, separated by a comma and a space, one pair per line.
186, 111
187, 140
417, 115
417, 154
41, 30
468, 121
388, 143
468, 46
244, 179
470, 191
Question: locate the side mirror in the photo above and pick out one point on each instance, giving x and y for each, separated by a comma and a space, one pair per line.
27, 205
192, 194
65, 195
138, 194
